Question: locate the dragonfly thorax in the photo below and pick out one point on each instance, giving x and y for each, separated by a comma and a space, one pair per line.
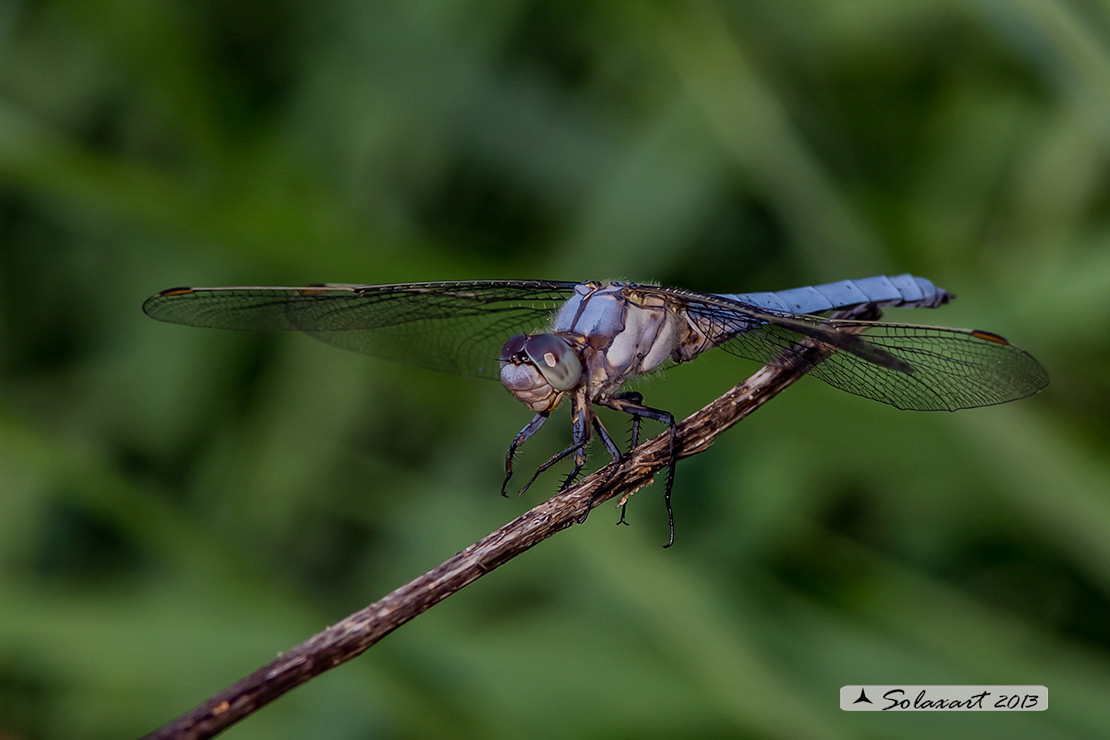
538, 369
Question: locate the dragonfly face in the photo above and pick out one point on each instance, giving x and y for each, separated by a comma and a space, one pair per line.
583, 341
539, 369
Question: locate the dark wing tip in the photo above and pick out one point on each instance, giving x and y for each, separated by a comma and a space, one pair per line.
152, 304
989, 336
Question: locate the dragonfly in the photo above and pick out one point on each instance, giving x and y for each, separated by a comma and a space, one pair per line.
581, 342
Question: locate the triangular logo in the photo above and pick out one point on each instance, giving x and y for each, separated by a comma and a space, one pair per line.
862, 697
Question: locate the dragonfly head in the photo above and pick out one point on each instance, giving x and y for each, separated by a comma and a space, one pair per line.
538, 369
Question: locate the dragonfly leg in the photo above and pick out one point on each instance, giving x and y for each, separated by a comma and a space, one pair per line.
581, 415
637, 398
550, 461
521, 437
638, 410
614, 451
610, 445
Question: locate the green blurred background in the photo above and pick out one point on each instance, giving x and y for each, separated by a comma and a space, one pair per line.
178, 505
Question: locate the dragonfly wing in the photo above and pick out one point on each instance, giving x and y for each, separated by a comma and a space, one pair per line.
946, 369
456, 327
773, 334
951, 368
923, 368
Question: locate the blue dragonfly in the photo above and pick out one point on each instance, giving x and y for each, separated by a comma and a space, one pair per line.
549, 341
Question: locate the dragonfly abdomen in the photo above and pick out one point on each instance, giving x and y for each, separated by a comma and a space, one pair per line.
905, 291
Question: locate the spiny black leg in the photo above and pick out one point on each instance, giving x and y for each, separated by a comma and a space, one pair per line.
637, 409
521, 437
672, 436
634, 439
579, 463
610, 445
670, 480
637, 398
551, 461
580, 415
617, 456
622, 520
581, 436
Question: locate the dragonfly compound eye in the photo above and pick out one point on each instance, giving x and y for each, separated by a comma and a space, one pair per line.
513, 347
555, 359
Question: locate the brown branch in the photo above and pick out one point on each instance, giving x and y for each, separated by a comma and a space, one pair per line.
353, 635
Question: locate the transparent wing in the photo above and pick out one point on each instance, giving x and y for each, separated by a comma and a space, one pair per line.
455, 327
908, 366
950, 369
